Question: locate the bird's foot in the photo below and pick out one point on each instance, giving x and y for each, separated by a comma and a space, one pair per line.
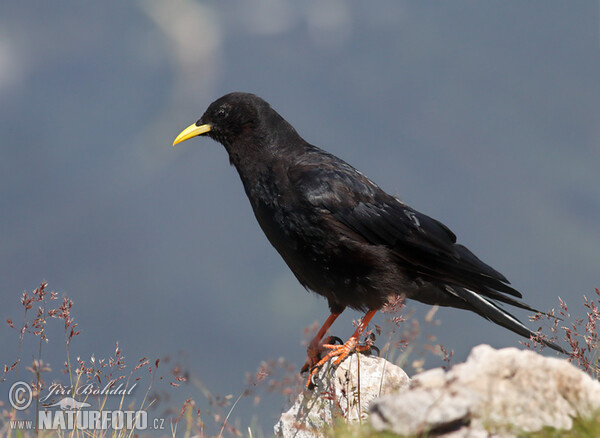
340, 352
317, 350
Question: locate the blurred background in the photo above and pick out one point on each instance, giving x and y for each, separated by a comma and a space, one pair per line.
484, 115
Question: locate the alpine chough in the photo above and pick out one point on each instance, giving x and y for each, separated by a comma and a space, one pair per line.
341, 235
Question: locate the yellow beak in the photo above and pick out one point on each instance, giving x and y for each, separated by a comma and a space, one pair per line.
191, 131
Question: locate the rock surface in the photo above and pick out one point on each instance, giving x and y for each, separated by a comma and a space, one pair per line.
336, 395
497, 392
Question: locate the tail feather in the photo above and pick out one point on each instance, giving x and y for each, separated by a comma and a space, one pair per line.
492, 312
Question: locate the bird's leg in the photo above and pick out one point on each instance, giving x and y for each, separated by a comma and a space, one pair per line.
314, 347
342, 351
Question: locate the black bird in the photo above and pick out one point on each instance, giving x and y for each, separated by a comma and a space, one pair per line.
341, 235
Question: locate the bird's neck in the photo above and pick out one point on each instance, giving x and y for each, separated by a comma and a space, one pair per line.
263, 147
260, 168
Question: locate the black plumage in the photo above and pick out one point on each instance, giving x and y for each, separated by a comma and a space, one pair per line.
341, 235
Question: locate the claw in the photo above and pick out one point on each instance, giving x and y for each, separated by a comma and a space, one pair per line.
317, 352
332, 340
339, 352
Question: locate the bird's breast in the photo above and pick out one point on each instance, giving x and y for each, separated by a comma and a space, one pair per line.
322, 259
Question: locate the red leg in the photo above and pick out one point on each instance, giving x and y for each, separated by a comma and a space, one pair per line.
342, 351
314, 347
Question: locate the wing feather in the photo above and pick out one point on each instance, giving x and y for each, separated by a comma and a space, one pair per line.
422, 243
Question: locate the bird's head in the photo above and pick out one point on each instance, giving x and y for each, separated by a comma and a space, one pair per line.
228, 118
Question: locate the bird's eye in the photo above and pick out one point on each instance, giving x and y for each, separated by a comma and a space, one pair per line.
221, 113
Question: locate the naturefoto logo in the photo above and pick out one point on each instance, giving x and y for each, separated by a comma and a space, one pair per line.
73, 414
69, 404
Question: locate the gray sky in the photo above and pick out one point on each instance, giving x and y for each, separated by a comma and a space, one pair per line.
484, 115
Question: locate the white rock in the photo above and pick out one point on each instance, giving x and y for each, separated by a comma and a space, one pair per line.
498, 391
336, 395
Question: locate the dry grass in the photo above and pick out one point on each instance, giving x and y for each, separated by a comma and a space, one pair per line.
401, 335
580, 333
159, 379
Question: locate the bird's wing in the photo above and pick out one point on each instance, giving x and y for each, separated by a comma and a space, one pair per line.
422, 243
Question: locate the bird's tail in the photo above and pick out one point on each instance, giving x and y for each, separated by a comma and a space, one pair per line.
491, 311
